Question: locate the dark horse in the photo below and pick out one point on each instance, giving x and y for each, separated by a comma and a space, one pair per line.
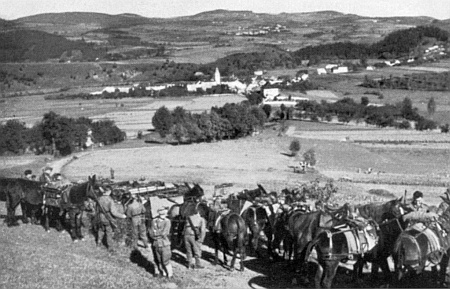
332, 245
74, 204
304, 227
27, 193
232, 236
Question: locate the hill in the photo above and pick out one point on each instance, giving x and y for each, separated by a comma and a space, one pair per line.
78, 18
21, 45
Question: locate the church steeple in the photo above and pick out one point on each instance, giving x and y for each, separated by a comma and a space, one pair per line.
217, 76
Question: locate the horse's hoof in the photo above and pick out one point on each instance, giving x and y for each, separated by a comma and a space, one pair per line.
82, 239
75, 241
48, 231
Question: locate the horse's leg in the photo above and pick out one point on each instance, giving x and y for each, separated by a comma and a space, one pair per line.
60, 217
78, 225
318, 276
47, 218
444, 270
11, 205
215, 236
233, 260
383, 263
268, 233
225, 249
241, 247
330, 272
73, 224
25, 207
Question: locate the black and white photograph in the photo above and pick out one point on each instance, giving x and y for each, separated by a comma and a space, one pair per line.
224, 144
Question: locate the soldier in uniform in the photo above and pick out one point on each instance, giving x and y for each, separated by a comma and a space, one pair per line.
194, 235
417, 204
135, 210
159, 233
28, 174
46, 175
107, 214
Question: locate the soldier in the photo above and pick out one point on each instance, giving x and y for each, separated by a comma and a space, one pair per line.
135, 210
28, 174
417, 203
194, 235
107, 214
159, 233
46, 175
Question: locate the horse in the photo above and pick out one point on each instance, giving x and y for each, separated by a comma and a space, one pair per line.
74, 202
257, 219
281, 232
304, 227
424, 242
232, 236
389, 229
334, 245
27, 193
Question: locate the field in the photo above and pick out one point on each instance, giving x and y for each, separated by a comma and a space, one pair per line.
399, 161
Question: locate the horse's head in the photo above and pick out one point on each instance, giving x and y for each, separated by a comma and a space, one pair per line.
197, 190
398, 208
92, 187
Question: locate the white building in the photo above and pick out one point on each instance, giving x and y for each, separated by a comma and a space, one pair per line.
321, 71
270, 93
340, 69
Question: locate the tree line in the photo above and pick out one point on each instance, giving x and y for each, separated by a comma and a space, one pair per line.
399, 115
416, 81
227, 122
56, 134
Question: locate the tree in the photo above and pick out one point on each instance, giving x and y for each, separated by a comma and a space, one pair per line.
162, 121
431, 106
310, 157
14, 136
295, 147
267, 109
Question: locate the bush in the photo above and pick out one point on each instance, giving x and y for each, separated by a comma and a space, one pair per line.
404, 125
310, 157
295, 147
445, 128
425, 124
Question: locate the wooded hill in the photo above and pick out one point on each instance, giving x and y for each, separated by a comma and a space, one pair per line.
21, 45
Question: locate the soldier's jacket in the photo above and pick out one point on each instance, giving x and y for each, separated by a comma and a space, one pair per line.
159, 232
199, 224
422, 208
135, 209
112, 212
45, 178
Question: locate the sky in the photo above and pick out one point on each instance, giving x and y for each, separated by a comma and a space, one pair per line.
439, 9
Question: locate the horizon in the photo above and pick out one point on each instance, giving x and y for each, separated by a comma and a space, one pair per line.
438, 9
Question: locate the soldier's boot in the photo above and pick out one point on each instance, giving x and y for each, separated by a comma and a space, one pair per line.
198, 264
